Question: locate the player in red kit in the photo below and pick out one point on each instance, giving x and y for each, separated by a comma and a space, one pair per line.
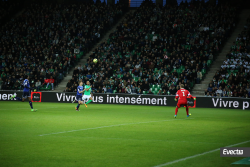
182, 95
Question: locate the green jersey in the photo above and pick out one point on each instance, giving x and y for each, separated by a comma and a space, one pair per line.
87, 92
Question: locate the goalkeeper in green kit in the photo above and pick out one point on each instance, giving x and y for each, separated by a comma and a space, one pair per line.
87, 94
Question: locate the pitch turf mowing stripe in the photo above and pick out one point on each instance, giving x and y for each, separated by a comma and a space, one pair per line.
197, 155
109, 126
27, 108
149, 140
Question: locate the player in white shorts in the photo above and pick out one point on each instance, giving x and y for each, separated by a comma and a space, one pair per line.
86, 97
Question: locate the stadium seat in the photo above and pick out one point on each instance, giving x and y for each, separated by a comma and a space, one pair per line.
191, 84
203, 71
44, 87
209, 62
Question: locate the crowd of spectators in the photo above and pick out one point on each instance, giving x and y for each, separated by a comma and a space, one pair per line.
155, 49
46, 40
232, 80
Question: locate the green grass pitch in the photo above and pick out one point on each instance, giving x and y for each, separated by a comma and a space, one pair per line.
117, 135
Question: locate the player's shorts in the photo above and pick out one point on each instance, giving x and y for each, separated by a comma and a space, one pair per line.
78, 97
26, 94
181, 103
86, 97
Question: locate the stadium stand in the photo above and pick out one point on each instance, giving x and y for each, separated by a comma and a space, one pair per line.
8, 9
156, 49
232, 80
46, 40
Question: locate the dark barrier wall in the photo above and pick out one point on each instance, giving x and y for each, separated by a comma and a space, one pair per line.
128, 99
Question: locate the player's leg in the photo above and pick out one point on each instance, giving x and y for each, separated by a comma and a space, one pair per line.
85, 98
23, 98
85, 102
18, 98
79, 103
76, 100
176, 109
90, 100
187, 111
30, 102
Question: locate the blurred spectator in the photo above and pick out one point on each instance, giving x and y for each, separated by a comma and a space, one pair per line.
133, 89
104, 89
210, 88
128, 89
149, 92
46, 81
38, 85
16, 85
199, 77
219, 92
208, 95
109, 90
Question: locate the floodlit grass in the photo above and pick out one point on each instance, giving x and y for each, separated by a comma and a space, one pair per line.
117, 135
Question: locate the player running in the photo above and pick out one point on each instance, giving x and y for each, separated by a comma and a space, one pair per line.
87, 94
182, 95
79, 95
26, 93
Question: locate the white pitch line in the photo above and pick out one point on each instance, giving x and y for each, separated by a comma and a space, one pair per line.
197, 155
109, 126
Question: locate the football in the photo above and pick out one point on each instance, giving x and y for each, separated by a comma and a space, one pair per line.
95, 60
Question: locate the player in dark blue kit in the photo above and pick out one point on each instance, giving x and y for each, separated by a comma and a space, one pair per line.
79, 95
26, 93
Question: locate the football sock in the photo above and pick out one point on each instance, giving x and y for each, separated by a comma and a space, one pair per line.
187, 110
89, 101
78, 105
31, 105
176, 110
18, 98
76, 101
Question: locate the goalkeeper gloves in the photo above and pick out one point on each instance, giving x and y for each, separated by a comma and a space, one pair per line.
175, 99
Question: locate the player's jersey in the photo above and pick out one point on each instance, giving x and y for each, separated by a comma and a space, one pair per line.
87, 92
182, 94
26, 85
79, 89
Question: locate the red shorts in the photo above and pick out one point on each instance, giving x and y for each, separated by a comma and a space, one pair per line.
181, 103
